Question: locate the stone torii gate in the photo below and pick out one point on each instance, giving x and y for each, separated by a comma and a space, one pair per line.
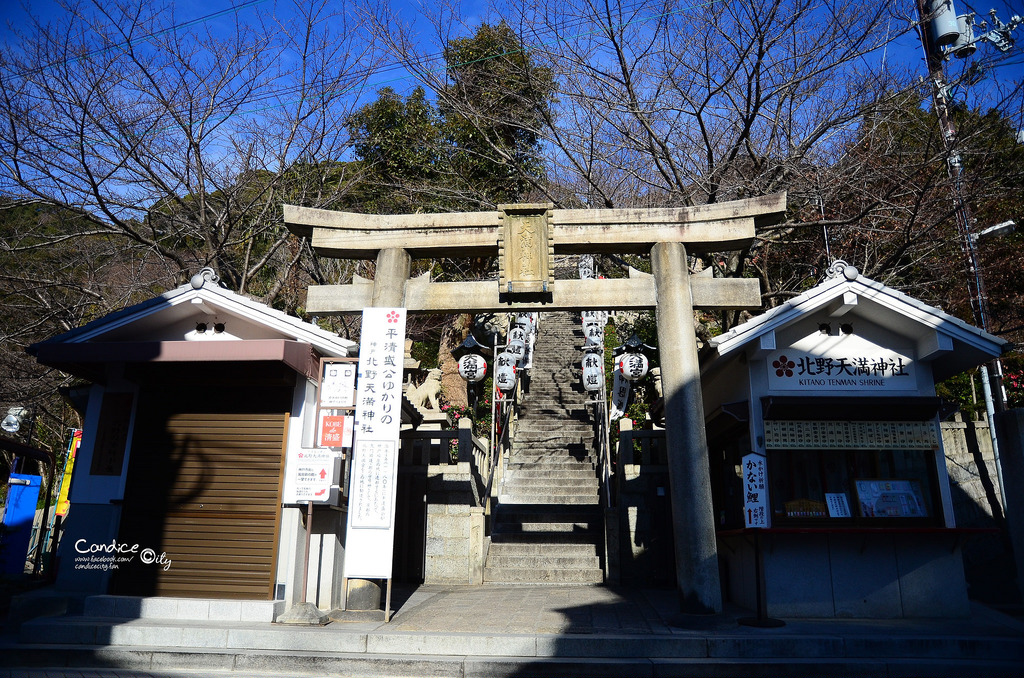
525, 237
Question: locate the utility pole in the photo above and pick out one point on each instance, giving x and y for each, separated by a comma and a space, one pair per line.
964, 220
939, 26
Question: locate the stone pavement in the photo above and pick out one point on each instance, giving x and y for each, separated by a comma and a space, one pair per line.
516, 631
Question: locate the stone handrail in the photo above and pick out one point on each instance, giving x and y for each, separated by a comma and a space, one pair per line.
652, 444
434, 448
505, 417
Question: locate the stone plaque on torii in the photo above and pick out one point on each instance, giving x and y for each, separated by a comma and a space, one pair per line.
525, 237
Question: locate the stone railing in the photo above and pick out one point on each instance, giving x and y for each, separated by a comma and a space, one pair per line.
640, 446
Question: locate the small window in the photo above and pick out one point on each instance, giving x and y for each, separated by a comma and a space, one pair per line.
866, 488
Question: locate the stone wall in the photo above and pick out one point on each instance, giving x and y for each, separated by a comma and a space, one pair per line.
645, 549
977, 503
455, 527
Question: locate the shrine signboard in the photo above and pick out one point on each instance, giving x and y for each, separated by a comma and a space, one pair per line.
755, 491
372, 492
844, 363
525, 249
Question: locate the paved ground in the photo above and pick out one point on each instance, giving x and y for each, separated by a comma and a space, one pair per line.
520, 632
534, 610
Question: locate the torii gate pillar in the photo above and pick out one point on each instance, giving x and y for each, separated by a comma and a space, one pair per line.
393, 267
693, 520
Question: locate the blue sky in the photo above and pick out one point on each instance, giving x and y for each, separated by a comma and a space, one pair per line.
13, 13
905, 51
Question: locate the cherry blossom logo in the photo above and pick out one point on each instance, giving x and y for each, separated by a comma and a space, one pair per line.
783, 367
393, 317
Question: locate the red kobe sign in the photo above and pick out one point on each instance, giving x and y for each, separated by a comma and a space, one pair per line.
336, 431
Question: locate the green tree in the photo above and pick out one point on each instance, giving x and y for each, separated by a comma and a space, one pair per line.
494, 106
479, 143
397, 143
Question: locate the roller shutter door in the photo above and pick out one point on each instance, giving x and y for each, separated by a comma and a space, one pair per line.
207, 488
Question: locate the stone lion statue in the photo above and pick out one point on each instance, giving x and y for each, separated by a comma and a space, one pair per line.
426, 395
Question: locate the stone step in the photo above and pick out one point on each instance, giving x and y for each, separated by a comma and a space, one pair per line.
527, 575
504, 549
579, 471
564, 484
555, 491
553, 467
544, 562
579, 518
560, 527
554, 484
545, 429
567, 447
550, 466
557, 448
573, 456
548, 418
542, 498
555, 405
553, 422
980, 648
551, 487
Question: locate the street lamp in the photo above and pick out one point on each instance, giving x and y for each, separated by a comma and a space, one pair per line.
996, 366
997, 231
18, 418
19, 422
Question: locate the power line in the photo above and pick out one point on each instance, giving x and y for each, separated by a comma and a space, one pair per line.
129, 43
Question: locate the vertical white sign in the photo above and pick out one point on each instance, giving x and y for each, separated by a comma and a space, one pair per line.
755, 491
620, 396
371, 525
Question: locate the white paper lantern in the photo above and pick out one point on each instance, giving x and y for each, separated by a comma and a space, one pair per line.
505, 371
517, 349
528, 321
632, 366
518, 333
594, 334
586, 266
472, 367
593, 371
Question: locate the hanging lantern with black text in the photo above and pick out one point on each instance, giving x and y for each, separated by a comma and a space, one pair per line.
586, 266
528, 321
472, 367
595, 318
594, 334
593, 371
505, 371
517, 349
632, 366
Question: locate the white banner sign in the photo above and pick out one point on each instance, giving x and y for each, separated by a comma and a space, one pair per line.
374, 469
755, 491
620, 396
374, 474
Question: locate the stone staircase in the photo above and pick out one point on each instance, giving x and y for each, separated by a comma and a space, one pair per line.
548, 525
